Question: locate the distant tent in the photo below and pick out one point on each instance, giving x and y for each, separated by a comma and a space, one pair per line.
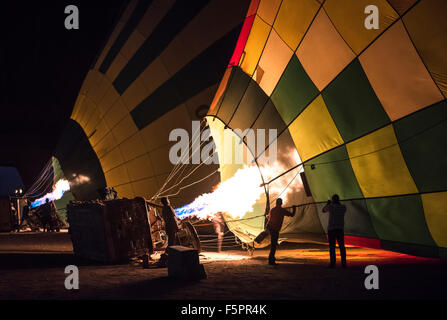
10, 181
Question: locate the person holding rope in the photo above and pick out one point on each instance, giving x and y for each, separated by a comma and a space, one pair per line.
275, 219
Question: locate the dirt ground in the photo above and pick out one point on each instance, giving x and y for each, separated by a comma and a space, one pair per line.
32, 267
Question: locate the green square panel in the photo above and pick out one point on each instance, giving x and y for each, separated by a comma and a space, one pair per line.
269, 118
352, 103
285, 148
400, 219
294, 91
357, 219
422, 138
249, 107
332, 173
238, 84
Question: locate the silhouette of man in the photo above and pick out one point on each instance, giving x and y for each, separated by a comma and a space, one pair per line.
54, 219
46, 215
25, 215
219, 227
275, 219
114, 193
170, 221
335, 229
14, 217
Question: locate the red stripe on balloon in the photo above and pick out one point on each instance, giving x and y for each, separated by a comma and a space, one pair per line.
253, 8
363, 242
242, 40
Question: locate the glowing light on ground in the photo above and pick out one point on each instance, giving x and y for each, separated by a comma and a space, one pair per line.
215, 256
59, 189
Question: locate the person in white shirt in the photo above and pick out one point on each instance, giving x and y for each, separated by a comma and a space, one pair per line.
14, 216
219, 227
336, 229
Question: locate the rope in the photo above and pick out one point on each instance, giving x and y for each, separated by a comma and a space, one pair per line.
185, 177
296, 175
42, 179
360, 155
43, 171
180, 164
191, 184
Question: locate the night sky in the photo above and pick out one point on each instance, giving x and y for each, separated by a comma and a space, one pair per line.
42, 66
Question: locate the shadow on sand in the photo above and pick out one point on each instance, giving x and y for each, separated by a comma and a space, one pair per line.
42, 260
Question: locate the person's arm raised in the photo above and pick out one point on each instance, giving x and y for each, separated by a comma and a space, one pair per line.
293, 211
326, 207
288, 213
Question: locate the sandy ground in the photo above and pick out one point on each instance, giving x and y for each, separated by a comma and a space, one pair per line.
32, 267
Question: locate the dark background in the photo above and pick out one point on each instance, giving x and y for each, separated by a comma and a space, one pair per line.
42, 67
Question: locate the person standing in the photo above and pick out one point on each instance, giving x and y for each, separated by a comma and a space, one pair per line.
219, 227
54, 219
25, 215
46, 215
275, 219
14, 217
336, 229
114, 193
170, 221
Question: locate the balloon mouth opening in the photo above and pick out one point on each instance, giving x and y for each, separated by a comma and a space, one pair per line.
246, 190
